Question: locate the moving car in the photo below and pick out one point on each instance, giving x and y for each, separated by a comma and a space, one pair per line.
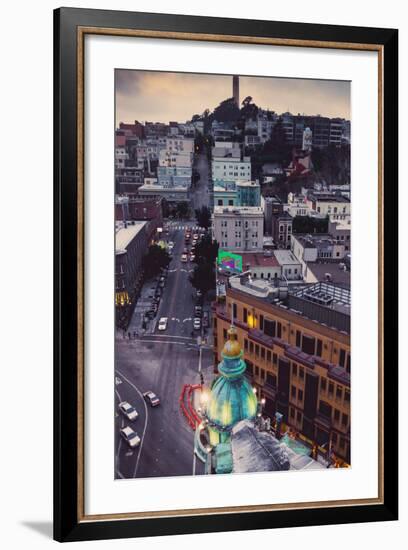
198, 311
197, 323
163, 323
184, 257
129, 411
151, 398
192, 257
130, 436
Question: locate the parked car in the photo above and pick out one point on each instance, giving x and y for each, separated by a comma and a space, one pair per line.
130, 436
129, 411
163, 323
192, 257
206, 320
185, 251
151, 398
184, 257
197, 323
198, 311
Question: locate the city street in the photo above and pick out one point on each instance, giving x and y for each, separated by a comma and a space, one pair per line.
202, 192
162, 361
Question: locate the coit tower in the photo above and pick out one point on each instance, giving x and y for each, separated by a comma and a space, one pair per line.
235, 89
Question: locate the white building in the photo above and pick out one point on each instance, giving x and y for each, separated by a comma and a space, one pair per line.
121, 156
238, 228
180, 144
307, 139
316, 247
291, 266
231, 169
335, 206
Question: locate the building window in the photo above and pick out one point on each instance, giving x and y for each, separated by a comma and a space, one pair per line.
251, 347
344, 419
308, 344
279, 330
263, 353
331, 388
294, 369
261, 322
274, 359
245, 315
292, 412
269, 327
299, 416
298, 339
334, 438
224, 333
300, 395
268, 356
339, 392
347, 396
245, 344
342, 357
323, 385
257, 350
293, 392
319, 348
256, 370
301, 372
336, 415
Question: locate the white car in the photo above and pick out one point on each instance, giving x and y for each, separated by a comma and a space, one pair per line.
192, 257
151, 398
163, 323
184, 257
130, 436
129, 411
197, 323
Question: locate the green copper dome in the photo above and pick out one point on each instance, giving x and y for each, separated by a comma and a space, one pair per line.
232, 398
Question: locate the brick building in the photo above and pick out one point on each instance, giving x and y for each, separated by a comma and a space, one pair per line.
297, 348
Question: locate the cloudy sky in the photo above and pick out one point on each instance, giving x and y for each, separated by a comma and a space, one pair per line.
165, 96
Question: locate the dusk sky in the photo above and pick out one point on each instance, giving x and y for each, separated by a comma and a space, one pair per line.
165, 96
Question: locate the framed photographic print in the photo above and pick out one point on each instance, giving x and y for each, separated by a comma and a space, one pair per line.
225, 242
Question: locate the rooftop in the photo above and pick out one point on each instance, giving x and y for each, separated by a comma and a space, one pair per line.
248, 183
328, 198
286, 257
238, 210
125, 235
260, 259
313, 240
334, 272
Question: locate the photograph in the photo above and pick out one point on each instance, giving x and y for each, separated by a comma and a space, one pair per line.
232, 258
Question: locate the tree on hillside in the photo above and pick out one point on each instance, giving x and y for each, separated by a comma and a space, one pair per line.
277, 147
155, 259
248, 109
203, 216
305, 224
227, 111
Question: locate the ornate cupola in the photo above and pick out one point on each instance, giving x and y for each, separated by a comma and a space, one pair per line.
232, 398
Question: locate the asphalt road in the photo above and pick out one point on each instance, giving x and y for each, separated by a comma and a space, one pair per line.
201, 194
162, 362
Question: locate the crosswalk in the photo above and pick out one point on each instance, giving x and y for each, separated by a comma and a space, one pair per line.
184, 227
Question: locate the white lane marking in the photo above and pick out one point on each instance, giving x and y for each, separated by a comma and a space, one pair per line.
118, 381
187, 319
145, 426
122, 422
167, 336
165, 342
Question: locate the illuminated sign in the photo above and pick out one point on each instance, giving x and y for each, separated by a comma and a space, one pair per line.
230, 261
